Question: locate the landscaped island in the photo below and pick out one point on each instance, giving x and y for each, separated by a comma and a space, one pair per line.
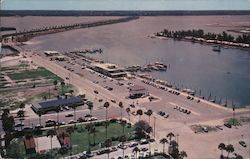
241, 41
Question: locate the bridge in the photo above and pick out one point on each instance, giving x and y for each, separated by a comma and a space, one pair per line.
55, 29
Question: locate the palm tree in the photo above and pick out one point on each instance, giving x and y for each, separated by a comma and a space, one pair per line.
22, 105
163, 141
106, 105
57, 111
70, 130
140, 113
89, 128
62, 86
182, 154
20, 115
170, 136
55, 83
93, 130
136, 150
128, 111
229, 149
50, 134
74, 107
121, 107
222, 147
149, 113
108, 143
148, 131
123, 139
123, 123
40, 116
90, 107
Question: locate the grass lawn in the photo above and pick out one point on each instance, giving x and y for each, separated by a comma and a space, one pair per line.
80, 137
16, 149
79, 140
29, 74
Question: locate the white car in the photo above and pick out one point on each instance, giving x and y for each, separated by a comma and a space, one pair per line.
132, 156
141, 154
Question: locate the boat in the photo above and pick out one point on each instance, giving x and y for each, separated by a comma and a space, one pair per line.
216, 48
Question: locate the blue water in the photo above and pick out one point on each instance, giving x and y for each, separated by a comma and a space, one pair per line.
126, 5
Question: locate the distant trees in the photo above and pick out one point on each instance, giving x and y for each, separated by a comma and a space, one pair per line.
224, 36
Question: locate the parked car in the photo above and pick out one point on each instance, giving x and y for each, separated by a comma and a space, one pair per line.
133, 144
72, 122
69, 115
81, 120
144, 149
228, 125
243, 143
143, 141
122, 146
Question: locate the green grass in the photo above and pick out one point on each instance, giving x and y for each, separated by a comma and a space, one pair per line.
30, 74
16, 149
81, 138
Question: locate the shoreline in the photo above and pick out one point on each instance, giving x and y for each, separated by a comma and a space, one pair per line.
121, 12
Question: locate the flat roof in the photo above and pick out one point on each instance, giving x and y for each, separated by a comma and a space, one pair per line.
51, 52
108, 66
57, 102
136, 88
43, 143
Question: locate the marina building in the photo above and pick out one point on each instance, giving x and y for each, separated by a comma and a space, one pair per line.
53, 104
110, 70
137, 91
51, 53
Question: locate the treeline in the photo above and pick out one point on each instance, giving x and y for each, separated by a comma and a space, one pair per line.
245, 38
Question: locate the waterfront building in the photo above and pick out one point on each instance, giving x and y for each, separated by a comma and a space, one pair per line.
137, 91
110, 70
51, 53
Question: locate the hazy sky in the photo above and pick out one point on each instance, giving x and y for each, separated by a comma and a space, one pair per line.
126, 5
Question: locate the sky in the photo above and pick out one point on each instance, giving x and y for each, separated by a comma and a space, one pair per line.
126, 5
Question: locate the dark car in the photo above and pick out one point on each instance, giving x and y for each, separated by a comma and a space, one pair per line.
81, 120
69, 115
243, 143
228, 125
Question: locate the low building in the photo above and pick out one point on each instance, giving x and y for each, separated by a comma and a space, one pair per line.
137, 91
110, 70
51, 53
53, 104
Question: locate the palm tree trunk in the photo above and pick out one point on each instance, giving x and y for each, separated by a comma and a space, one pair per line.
129, 117
51, 146
106, 126
40, 121
58, 118
122, 153
89, 140
94, 137
121, 113
74, 114
163, 150
21, 124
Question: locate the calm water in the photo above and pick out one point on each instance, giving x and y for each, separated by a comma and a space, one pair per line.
126, 5
224, 75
